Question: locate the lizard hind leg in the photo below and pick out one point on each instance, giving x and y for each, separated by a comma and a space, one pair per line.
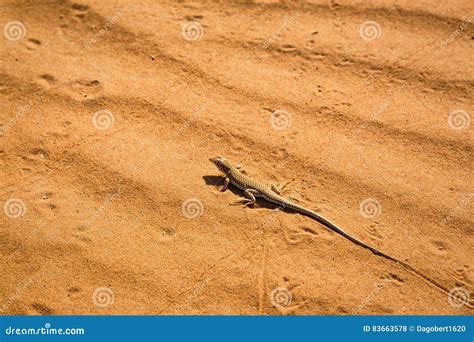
249, 198
242, 201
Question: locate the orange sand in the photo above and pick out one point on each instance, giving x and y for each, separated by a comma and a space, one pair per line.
94, 201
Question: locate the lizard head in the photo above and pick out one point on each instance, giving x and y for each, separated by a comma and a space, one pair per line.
222, 164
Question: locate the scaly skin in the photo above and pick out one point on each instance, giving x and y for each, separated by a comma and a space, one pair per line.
270, 192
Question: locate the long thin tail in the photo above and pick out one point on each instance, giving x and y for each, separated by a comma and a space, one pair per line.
374, 250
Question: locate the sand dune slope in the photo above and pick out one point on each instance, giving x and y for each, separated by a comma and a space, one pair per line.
110, 111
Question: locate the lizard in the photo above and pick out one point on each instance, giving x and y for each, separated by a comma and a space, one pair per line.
254, 189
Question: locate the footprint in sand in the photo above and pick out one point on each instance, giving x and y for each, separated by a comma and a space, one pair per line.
46, 80
194, 17
167, 234
32, 44
287, 48
80, 89
316, 55
79, 11
392, 278
285, 297
439, 246
79, 7
43, 202
296, 235
37, 153
381, 310
374, 233
464, 275
74, 292
80, 232
83, 89
42, 309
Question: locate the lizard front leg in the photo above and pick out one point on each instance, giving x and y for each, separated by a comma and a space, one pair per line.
226, 184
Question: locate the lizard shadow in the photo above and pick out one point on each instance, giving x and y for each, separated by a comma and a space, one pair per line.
217, 181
